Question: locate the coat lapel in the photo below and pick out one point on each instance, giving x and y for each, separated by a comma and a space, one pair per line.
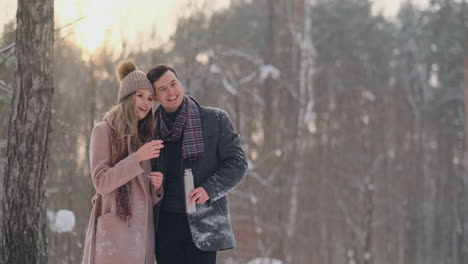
146, 168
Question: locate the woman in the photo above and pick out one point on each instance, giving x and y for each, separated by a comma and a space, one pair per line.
121, 227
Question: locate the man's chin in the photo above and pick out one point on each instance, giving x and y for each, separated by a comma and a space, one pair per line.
172, 106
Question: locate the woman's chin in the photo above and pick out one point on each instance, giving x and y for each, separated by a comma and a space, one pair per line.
141, 116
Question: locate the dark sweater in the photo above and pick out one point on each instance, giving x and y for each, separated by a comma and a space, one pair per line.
174, 200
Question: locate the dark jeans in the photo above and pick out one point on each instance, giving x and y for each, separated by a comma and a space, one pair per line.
174, 243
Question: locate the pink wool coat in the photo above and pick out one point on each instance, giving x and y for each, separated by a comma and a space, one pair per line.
109, 239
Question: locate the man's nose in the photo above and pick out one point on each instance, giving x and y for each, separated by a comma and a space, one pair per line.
170, 91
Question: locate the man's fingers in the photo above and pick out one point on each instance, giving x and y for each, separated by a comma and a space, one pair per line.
202, 200
198, 195
194, 195
194, 198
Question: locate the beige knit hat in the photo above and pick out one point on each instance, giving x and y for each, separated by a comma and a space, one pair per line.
131, 79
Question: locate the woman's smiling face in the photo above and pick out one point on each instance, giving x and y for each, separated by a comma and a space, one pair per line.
143, 103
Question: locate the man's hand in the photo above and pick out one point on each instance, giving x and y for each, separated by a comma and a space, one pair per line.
198, 195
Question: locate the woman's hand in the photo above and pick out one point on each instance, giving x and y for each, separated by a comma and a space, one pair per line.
149, 150
156, 179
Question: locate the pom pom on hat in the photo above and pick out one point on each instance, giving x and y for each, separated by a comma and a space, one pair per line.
131, 80
125, 67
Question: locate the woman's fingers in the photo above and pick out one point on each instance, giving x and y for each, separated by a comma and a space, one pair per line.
156, 178
156, 174
156, 141
155, 181
150, 150
158, 144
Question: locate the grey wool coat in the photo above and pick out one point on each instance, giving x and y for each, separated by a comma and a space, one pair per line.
219, 171
109, 239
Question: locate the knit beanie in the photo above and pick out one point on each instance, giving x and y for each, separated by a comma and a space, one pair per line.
131, 80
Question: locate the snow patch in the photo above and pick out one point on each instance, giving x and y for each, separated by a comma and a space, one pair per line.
253, 199
265, 261
278, 152
368, 95
269, 71
215, 68
367, 256
259, 230
62, 221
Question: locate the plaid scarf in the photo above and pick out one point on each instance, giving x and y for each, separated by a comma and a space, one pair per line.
187, 126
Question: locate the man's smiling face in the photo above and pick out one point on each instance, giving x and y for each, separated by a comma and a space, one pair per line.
169, 91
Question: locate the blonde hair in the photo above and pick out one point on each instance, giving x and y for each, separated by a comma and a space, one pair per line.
124, 122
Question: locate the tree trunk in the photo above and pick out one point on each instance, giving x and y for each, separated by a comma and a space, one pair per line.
464, 182
24, 220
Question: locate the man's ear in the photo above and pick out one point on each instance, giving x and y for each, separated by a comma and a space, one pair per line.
155, 98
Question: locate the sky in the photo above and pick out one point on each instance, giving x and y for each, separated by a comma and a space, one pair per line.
142, 23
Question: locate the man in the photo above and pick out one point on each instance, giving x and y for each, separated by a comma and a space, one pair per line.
202, 139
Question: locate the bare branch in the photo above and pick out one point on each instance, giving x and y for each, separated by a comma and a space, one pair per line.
7, 56
71, 23
8, 47
6, 89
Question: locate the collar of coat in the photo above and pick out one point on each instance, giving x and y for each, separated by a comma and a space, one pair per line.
200, 108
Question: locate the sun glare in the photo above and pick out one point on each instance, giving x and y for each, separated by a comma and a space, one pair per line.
96, 24
115, 22
93, 30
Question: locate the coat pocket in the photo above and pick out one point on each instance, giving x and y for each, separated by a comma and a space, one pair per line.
111, 240
223, 209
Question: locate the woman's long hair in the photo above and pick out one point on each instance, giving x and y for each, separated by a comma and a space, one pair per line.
124, 122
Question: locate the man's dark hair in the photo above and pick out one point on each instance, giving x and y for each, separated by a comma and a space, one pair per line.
155, 73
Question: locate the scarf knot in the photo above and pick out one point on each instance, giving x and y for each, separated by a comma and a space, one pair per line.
187, 126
